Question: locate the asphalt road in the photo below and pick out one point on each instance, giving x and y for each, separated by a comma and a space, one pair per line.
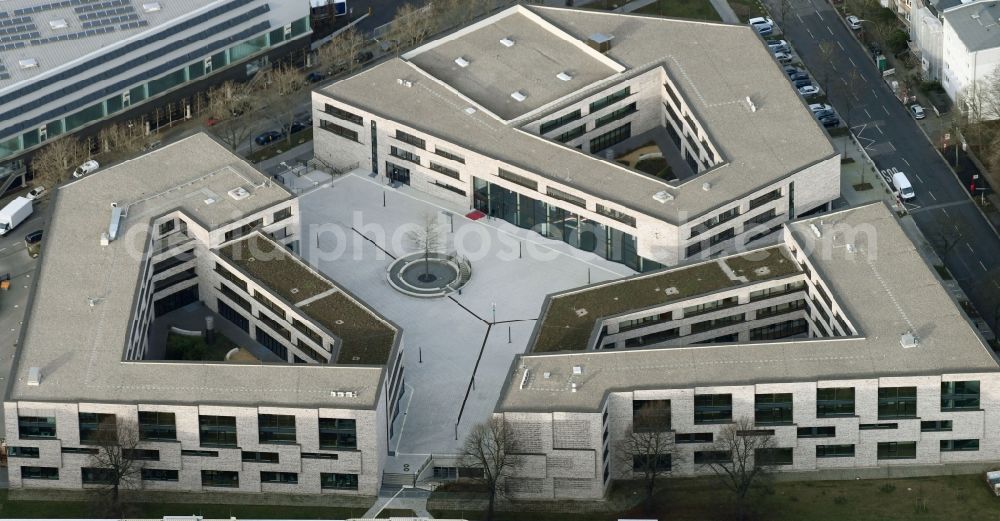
943, 211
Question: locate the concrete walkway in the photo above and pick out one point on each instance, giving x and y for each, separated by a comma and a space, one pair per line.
414, 499
726, 12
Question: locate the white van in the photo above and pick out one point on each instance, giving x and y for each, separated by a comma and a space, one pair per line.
903, 186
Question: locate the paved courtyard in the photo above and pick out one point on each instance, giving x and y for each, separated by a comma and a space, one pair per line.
455, 345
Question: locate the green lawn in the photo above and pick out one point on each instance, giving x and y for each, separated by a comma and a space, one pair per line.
694, 9
81, 509
941, 498
268, 151
747, 9
181, 347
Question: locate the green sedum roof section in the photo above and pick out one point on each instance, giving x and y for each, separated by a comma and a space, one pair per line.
268, 262
569, 319
367, 340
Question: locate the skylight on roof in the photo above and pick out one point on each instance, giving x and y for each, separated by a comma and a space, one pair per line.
151, 7
58, 23
518, 95
462, 62
564, 76
507, 42
28, 63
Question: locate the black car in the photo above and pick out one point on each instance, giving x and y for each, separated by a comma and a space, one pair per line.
802, 83
315, 76
34, 237
298, 126
822, 114
268, 137
799, 76
830, 121
363, 57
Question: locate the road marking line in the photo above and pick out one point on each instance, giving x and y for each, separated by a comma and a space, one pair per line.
869, 114
967, 245
852, 63
893, 147
820, 15
833, 66
918, 178
828, 28
997, 284
886, 111
932, 195
811, 35
879, 129
946, 213
841, 46
983, 266
905, 161
873, 92
856, 98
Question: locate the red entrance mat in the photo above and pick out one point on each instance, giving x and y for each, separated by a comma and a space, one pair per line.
475, 215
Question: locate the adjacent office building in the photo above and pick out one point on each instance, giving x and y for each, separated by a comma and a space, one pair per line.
66, 65
193, 225
645, 140
839, 342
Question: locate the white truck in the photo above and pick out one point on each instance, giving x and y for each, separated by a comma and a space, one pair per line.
14, 214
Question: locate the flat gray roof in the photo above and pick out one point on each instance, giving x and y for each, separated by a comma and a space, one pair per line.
976, 24
530, 65
79, 348
129, 20
716, 66
884, 286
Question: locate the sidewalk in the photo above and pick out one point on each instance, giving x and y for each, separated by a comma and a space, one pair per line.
405, 499
855, 173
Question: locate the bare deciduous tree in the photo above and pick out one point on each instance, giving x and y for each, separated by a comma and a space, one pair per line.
826, 53
648, 450
490, 446
126, 136
116, 443
428, 238
410, 26
283, 85
230, 105
52, 164
339, 54
741, 442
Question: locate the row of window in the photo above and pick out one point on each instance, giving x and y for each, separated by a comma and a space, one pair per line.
831, 402
214, 431
209, 478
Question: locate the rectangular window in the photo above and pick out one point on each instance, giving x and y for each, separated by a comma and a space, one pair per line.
269, 304
610, 138
276, 428
959, 396
621, 217
448, 155
650, 415
776, 291
713, 408
22, 452
766, 198
259, 457
334, 481
935, 426
552, 124
167, 226
237, 299
340, 113
159, 474
716, 323
708, 307
157, 426
653, 462
959, 445
405, 155
706, 457
773, 408
571, 134
282, 214
236, 233
897, 402
615, 115
288, 478
411, 139
95, 427
563, 196
39, 473
517, 179
773, 456
897, 450
220, 478
441, 169
230, 276
141, 454
201, 453
318, 455
835, 451
877, 426
610, 99
217, 431
834, 402
33, 427
96, 476
817, 432
694, 437
78, 450
337, 433
338, 130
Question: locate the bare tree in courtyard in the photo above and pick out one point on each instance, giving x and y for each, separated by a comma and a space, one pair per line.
648, 450
739, 459
116, 457
52, 164
428, 238
490, 447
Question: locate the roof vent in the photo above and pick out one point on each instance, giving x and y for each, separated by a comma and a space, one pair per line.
753, 108
564, 76
58, 23
518, 95
572, 387
600, 42
151, 7
663, 197
706, 186
470, 110
210, 200
909, 340
546, 375
34, 376
116, 219
507, 42
28, 63
577, 369
462, 62
815, 229
405, 83
239, 193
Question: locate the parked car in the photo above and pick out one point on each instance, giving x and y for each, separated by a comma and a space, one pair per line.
854, 22
315, 76
917, 111
298, 126
778, 45
363, 57
35, 193
87, 167
799, 76
763, 25
820, 107
802, 83
789, 70
830, 121
824, 114
268, 137
783, 57
808, 90
33, 242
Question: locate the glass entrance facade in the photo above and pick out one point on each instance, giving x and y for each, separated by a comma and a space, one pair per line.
558, 223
